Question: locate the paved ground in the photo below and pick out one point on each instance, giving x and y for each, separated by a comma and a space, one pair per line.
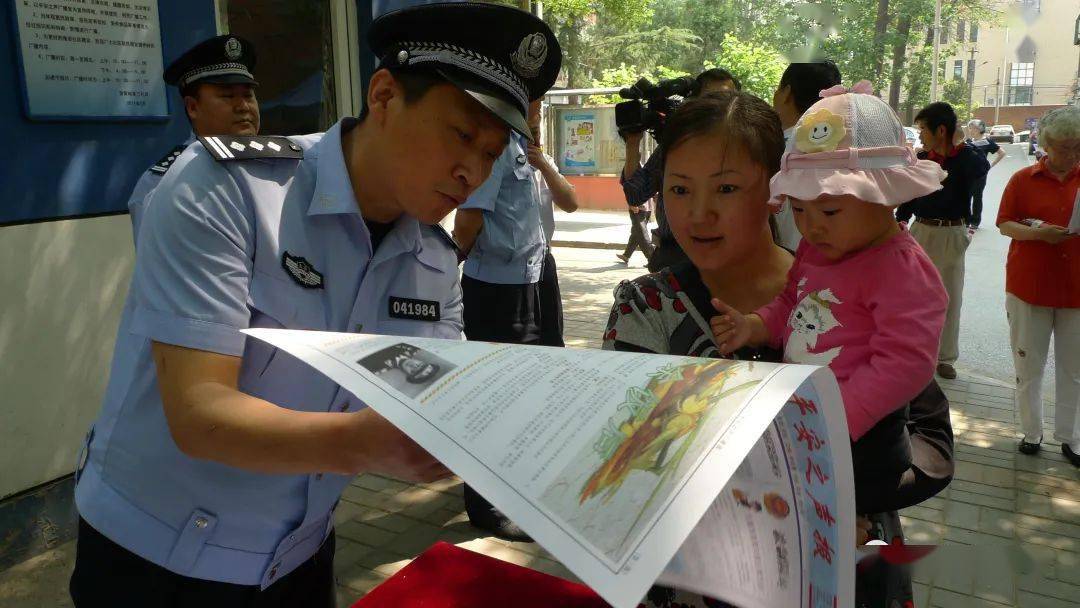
1010, 524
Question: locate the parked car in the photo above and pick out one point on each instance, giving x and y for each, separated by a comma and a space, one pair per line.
1002, 134
1023, 136
911, 138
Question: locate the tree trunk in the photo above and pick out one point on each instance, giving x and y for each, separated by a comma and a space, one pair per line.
880, 25
571, 52
909, 105
899, 54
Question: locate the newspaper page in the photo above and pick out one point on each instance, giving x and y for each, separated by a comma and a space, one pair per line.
611, 459
774, 534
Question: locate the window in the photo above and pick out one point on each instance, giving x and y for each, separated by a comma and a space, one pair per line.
960, 30
295, 69
958, 69
970, 71
944, 33
973, 34
1020, 89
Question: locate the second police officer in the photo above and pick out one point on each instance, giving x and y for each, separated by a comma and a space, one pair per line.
218, 90
213, 469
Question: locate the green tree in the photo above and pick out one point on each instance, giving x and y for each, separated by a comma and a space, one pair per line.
575, 23
956, 93
757, 66
624, 76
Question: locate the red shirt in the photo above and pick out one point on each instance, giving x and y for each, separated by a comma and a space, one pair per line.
1037, 272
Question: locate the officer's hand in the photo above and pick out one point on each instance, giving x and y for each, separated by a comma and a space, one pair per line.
1053, 234
536, 156
383, 449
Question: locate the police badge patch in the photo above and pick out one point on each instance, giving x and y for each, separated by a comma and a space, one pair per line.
233, 49
530, 55
301, 271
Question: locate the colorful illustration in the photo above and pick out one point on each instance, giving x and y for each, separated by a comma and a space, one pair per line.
811, 318
744, 500
819, 131
579, 140
622, 478
776, 505
670, 407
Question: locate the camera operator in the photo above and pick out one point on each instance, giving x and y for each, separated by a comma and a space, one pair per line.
644, 182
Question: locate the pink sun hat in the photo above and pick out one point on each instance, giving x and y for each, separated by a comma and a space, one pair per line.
851, 142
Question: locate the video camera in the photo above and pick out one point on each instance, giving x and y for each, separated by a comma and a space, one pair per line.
650, 104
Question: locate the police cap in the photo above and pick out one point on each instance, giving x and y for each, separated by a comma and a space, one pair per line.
501, 56
224, 59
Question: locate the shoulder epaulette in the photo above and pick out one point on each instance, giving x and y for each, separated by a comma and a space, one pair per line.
161, 166
228, 147
445, 236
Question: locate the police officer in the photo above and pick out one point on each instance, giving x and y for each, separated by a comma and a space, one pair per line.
216, 83
501, 229
214, 467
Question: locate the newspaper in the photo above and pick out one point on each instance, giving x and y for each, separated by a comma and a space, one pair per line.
716, 476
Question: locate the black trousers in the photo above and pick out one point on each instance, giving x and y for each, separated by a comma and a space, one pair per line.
640, 238
976, 201
109, 576
551, 312
507, 313
932, 464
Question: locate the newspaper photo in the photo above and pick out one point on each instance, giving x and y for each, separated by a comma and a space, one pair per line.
711, 475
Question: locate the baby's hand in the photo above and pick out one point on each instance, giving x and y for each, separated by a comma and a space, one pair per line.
730, 329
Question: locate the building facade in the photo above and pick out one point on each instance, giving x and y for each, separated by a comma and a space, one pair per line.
1021, 66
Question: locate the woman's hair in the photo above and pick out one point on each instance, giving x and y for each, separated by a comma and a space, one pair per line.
1060, 124
745, 120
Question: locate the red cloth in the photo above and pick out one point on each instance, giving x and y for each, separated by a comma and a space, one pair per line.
446, 576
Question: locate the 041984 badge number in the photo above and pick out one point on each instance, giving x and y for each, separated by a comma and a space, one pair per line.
416, 310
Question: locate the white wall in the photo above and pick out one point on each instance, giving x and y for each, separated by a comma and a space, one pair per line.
62, 287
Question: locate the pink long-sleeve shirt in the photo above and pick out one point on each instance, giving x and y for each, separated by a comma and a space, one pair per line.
873, 317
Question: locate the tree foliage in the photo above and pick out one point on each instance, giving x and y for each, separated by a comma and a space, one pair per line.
884, 41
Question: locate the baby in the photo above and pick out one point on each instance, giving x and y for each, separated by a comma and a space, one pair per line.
861, 297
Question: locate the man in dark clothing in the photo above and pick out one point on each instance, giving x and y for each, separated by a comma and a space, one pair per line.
976, 132
941, 218
641, 183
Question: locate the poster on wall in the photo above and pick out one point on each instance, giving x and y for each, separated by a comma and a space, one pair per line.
91, 60
579, 141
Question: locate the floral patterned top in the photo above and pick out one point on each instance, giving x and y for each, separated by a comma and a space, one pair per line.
667, 313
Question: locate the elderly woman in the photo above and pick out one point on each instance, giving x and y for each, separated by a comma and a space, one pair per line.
1042, 280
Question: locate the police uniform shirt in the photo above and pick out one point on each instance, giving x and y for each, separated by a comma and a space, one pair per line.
148, 181
547, 201
224, 246
510, 248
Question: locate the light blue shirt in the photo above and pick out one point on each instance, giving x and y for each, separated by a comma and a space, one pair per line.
140, 194
511, 246
226, 246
